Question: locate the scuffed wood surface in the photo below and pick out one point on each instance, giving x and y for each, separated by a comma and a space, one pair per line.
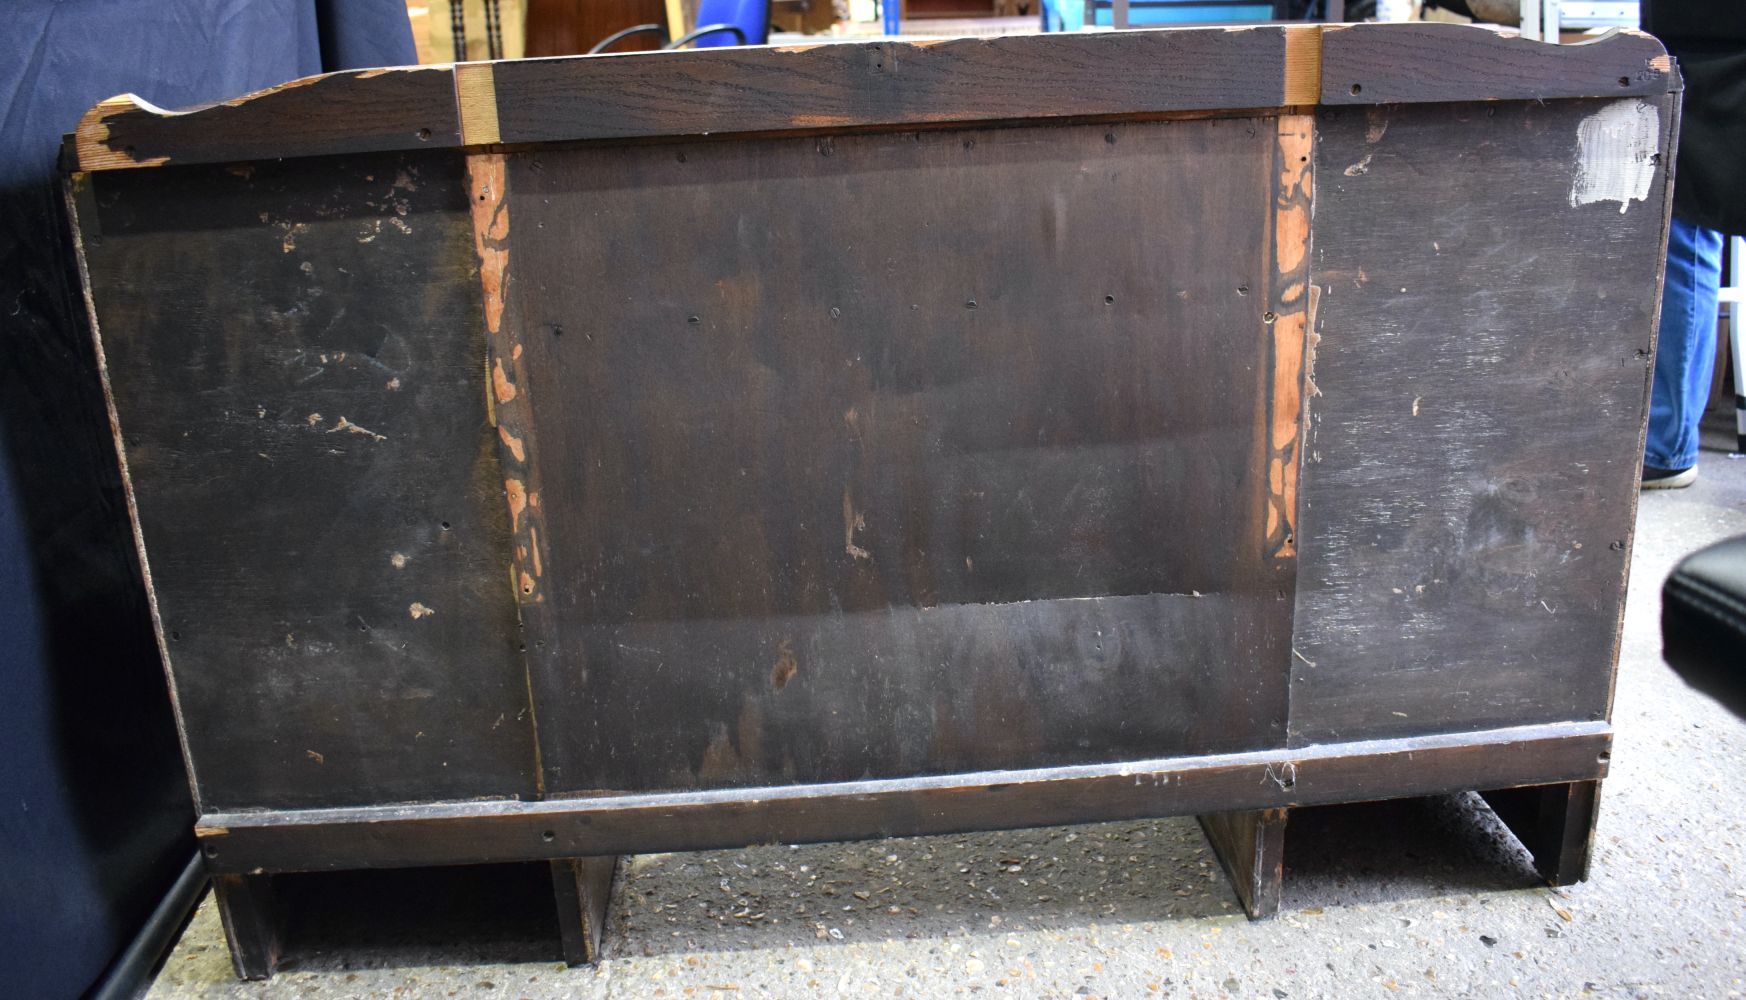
1482, 377
295, 354
904, 454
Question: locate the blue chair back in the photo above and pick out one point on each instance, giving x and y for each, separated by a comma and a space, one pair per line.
750, 16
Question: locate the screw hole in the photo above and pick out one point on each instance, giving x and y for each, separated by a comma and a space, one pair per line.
971, 304
694, 320
1357, 89
210, 850
1604, 758
1624, 81
1109, 300
175, 636
1242, 289
424, 135
445, 525
548, 836
1268, 317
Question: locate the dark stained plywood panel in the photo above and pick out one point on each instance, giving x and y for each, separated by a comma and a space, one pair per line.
1472, 455
301, 392
900, 454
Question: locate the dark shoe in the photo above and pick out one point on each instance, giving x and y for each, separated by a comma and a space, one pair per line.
1668, 479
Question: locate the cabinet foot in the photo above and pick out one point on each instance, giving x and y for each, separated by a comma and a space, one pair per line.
1251, 847
252, 922
1554, 822
583, 887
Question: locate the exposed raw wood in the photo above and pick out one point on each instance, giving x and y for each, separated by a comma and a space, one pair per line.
476, 97
358, 111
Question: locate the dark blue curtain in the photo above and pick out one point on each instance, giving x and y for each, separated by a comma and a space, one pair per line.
95, 814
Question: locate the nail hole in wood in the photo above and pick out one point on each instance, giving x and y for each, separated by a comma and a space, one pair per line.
548, 836
424, 135
1268, 317
1357, 89
445, 525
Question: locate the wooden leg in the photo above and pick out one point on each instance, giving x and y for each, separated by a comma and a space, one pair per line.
1251, 846
583, 887
1554, 822
251, 918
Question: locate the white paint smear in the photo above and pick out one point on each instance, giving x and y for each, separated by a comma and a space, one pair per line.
1615, 154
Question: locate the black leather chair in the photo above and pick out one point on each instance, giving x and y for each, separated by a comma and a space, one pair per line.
1703, 622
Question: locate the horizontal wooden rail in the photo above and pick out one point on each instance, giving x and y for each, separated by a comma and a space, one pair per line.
878, 84
468, 832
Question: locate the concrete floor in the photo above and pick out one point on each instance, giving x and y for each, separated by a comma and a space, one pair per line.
1413, 898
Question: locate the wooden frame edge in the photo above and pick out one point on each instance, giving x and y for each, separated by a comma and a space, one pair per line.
1618, 64
445, 833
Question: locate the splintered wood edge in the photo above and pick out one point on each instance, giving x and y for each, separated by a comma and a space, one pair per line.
1620, 63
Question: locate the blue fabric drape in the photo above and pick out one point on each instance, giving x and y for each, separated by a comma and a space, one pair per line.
95, 814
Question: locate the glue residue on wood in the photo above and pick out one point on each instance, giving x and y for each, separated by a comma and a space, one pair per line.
1616, 154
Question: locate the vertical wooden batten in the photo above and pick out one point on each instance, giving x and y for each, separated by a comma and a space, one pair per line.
1289, 316
476, 104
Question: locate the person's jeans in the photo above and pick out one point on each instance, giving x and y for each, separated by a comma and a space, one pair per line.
1686, 356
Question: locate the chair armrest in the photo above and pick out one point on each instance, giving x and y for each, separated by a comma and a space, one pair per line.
1703, 622
618, 36
695, 34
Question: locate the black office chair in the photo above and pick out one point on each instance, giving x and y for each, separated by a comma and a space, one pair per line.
1703, 622
745, 22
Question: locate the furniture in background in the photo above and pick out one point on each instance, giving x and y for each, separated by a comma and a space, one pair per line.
1156, 13
572, 27
719, 23
1548, 19
800, 517
469, 30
